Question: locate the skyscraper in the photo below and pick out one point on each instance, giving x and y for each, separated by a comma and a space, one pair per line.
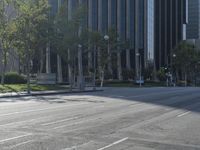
134, 22
170, 28
193, 27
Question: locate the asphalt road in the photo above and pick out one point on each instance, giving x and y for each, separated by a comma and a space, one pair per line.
116, 119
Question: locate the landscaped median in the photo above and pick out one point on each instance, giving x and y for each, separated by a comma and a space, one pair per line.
8, 88
116, 83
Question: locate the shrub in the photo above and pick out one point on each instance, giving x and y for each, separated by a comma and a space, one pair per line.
108, 75
148, 73
161, 74
128, 74
14, 78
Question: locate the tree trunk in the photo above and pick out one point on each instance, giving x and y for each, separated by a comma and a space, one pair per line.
59, 69
99, 60
94, 67
28, 73
119, 66
102, 77
80, 69
4, 68
128, 61
70, 77
3, 75
89, 62
48, 59
41, 62
185, 79
109, 60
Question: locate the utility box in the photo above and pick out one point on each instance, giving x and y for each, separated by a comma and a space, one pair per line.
46, 79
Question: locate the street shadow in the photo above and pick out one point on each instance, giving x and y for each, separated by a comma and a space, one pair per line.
187, 99
174, 97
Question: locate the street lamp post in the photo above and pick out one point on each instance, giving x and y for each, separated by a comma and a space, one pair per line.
140, 66
107, 38
80, 68
174, 57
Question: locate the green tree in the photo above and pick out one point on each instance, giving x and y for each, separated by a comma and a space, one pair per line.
69, 35
187, 56
31, 17
6, 26
106, 48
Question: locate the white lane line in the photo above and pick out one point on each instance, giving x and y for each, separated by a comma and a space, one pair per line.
142, 95
14, 138
91, 119
183, 114
24, 121
36, 110
59, 121
76, 123
115, 143
20, 144
76, 147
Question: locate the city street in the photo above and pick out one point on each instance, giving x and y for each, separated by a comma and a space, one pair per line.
115, 119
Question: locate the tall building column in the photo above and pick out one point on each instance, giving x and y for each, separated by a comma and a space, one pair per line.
59, 62
128, 61
59, 69
80, 57
69, 65
48, 58
109, 27
119, 64
100, 18
137, 66
90, 28
146, 33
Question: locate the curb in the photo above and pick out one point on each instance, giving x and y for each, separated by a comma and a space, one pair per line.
49, 93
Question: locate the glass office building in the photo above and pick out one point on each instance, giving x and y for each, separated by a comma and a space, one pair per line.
153, 27
133, 19
170, 28
193, 27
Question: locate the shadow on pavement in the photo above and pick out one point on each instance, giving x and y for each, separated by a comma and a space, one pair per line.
174, 97
179, 98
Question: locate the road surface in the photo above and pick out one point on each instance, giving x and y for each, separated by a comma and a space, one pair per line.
116, 119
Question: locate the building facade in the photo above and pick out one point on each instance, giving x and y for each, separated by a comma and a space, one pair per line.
170, 28
133, 20
193, 26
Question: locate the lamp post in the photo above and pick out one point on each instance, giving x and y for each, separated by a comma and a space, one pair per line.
174, 57
140, 66
107, 38
80, 67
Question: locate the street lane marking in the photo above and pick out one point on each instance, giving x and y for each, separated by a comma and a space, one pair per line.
184, 114
20, 144
76, 123
76, 147
24, 121
93, 119
115, 143
142, 95
14, 138
48, 108
59, 121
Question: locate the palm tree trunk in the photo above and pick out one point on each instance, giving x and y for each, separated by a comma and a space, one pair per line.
119, 66
70, 78
59, 69
4, 68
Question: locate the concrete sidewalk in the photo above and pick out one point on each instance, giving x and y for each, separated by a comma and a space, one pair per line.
53, 92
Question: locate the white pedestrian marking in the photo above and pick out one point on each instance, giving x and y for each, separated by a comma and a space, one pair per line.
183, 114
36, 110
115, 143
14, 138
59, 121
20, 144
